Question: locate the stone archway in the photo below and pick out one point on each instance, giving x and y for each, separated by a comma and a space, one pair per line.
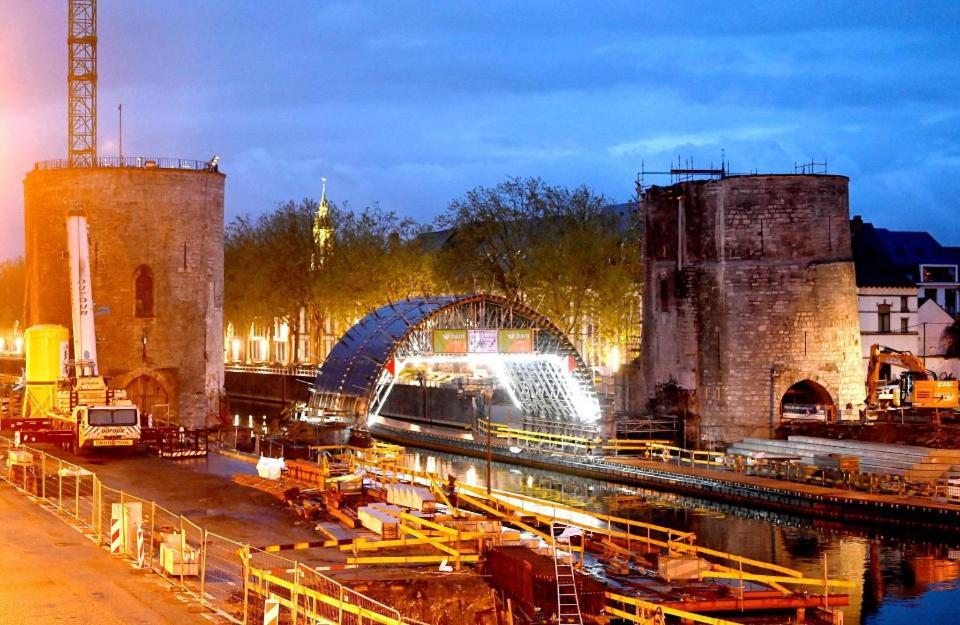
151, 392
807, 399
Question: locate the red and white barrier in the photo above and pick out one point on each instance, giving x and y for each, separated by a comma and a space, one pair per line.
141, 557
116, 530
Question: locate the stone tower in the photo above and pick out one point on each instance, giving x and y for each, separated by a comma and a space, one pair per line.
156, 261
750, 305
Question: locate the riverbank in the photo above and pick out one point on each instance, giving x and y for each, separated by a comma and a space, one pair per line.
746, 490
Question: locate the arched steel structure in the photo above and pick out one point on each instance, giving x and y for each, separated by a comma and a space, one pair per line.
553, 383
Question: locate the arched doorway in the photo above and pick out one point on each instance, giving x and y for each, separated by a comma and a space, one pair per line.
150, 397
807, 399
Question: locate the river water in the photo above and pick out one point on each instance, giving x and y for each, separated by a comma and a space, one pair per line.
901, 578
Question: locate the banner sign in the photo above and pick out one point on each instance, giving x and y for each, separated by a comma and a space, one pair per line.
516, 341
482, 341
449, 341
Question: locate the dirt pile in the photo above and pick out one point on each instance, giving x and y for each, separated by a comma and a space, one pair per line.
435, 598
923, 435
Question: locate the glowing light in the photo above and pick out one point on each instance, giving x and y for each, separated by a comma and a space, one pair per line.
3, 343
529, 481
613, 358
235, 349
431, 464
472, 478
18, 345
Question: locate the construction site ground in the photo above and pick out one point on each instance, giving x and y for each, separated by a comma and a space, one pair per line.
825, 492
946, 436
54, 574
202, 489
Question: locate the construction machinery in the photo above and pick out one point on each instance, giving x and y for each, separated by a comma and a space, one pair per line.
917, 388
67, 400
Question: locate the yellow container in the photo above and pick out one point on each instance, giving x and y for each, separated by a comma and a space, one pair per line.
45, 347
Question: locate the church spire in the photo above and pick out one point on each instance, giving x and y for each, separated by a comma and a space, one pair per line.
322, 229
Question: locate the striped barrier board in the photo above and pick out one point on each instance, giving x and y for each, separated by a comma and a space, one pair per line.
116, 529
271, 612
141, 560
316, 544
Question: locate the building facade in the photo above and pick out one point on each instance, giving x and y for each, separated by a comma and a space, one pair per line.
907, 293
156, 247
749, 305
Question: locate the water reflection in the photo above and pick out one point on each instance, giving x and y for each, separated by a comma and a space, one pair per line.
904, 578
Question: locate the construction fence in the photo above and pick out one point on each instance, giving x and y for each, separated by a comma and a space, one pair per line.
224, 576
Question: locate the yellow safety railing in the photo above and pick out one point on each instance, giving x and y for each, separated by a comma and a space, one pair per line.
648, 610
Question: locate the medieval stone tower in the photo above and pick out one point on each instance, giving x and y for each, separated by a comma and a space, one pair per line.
749, 303
156, 262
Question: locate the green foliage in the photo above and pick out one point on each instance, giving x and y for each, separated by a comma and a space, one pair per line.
273, 270
12, 282
555, 248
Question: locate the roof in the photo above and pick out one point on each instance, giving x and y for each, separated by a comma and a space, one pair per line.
355, 362
885, 257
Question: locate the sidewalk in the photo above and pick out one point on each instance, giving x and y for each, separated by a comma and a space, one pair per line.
51, 573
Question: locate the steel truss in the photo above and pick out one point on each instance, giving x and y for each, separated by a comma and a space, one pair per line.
542, 383
82, 84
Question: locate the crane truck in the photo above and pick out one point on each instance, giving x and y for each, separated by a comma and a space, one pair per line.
68, 401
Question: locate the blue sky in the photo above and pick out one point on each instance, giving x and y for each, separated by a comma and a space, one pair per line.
412, 103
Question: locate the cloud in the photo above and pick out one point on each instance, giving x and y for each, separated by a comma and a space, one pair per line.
412, 104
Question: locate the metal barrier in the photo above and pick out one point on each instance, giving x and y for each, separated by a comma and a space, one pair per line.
222, 575
138, 162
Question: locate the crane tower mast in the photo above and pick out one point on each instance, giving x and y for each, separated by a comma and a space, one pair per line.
82, 83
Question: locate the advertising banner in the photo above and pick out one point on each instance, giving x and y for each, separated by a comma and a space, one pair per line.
449, 341
516, 341
482, 341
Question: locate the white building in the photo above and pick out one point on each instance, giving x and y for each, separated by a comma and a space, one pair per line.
907, 289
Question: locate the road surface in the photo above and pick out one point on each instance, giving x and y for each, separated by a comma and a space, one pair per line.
54, 574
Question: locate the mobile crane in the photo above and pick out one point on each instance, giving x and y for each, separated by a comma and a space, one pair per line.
68, 401
918, 387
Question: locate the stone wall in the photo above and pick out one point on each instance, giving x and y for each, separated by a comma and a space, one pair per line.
749, 288
169, 220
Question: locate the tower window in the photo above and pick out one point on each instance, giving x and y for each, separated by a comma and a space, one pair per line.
143, 288
664, 285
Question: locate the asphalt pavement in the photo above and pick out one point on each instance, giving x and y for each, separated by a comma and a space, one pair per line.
51, 573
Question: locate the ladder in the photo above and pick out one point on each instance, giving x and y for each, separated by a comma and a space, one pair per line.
568, 605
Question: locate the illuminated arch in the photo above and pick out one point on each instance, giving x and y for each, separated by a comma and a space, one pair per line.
554, 383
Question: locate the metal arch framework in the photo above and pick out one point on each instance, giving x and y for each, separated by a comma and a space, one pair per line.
553, 384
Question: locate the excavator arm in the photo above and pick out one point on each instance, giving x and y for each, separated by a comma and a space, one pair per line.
885, 356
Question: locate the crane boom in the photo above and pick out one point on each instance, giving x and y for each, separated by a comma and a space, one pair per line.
84, 332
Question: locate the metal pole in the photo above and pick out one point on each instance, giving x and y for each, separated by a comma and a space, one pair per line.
120, 134
203, 567
153, 515
245, 557
183, 550
489, 456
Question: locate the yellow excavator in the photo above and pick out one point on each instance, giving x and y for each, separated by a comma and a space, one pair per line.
918, 387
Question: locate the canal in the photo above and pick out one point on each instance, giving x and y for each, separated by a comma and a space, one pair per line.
901, 578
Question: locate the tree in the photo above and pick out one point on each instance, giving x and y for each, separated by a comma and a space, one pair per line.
560, 250
951, 339
273, 268
268, 265
12, 284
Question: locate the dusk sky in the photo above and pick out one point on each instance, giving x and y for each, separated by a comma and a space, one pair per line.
410, 104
